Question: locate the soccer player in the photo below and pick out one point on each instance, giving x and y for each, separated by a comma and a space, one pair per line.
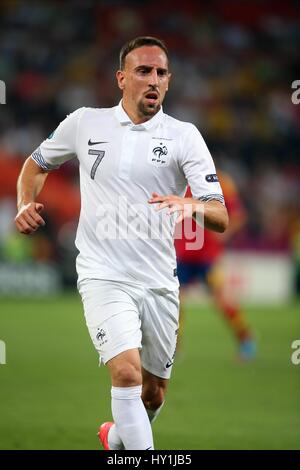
135, 164
204, 265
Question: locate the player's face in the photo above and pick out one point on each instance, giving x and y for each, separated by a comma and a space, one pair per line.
144, 82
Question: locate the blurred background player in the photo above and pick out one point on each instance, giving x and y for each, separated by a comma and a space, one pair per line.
204, 265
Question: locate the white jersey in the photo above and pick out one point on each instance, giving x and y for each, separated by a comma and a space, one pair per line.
120, 236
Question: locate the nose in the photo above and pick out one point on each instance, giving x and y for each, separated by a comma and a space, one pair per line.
153, 78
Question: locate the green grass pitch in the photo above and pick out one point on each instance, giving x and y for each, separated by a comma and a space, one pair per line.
53, 395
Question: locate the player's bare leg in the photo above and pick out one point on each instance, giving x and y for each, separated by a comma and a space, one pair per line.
131, 424
153, 394
125, 369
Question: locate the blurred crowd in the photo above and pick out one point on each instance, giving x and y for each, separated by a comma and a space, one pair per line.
233, 65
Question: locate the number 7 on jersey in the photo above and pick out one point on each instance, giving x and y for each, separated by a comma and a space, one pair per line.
100, 154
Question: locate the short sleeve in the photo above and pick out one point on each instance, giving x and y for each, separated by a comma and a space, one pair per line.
60, 146
199, 168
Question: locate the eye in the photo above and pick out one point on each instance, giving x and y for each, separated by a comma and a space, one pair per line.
143, 71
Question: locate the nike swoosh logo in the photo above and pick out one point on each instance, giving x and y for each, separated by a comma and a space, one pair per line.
94, 143
169, 364
148, 448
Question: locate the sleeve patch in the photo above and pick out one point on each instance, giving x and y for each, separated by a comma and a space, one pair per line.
213, 178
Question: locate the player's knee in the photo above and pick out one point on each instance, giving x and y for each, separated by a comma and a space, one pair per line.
126, 375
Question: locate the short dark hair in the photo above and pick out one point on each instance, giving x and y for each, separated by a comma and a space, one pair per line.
139, 42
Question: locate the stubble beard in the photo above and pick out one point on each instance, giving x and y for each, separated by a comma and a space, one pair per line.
148, 111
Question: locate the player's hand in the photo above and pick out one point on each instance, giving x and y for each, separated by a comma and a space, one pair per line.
28, 219
185, 206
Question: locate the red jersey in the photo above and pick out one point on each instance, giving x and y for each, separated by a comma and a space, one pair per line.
214, 243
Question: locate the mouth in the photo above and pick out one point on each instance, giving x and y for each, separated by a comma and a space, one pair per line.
151, 97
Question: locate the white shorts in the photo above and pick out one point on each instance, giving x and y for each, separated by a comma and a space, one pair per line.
122, 316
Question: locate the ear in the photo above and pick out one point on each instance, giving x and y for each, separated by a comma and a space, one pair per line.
120, 76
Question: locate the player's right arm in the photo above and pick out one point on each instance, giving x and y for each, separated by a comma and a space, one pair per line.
30, 184
58, 148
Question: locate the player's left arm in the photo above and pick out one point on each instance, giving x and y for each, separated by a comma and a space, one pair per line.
207, 202
212, 214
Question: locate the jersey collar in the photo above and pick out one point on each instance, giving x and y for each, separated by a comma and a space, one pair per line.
124, 119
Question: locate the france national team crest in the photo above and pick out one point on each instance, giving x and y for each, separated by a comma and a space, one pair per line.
101, 336
159, 152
